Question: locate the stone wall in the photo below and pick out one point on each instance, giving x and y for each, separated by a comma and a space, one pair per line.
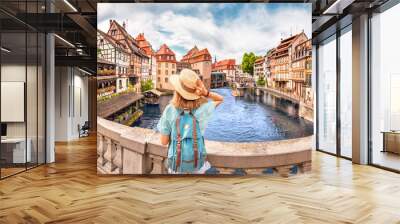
306, 112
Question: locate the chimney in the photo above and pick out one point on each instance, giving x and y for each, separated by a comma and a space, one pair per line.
123, 25
110, 21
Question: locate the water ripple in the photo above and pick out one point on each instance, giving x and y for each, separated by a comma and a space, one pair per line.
244, 119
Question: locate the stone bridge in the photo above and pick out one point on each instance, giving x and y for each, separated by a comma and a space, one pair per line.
133, 150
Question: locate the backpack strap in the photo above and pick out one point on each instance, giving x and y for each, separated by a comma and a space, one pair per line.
195, 147
179, 140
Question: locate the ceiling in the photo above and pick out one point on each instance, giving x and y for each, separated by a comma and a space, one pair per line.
75, 21
328, 13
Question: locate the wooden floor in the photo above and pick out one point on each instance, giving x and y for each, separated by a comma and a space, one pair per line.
69, 191
386, 159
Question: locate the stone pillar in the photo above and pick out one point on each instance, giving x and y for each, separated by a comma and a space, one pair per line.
258, 92
360, 90
92, 85
314, 92
50, 93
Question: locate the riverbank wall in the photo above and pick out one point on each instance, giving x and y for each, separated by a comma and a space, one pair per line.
305, 111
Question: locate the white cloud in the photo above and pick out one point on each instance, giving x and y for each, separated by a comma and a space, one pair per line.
181, 26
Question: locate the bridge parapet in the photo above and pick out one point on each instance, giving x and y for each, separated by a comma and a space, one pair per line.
133, 150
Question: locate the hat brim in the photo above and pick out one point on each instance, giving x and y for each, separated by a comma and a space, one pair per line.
174, 81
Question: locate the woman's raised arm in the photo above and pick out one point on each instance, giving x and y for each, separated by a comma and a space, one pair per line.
201, 90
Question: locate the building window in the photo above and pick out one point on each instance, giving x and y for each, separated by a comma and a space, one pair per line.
166, 79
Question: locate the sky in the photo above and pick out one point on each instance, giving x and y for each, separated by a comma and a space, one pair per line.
227, 30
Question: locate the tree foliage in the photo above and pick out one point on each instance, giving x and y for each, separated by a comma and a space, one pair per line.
248, 62
146, 85
261, 81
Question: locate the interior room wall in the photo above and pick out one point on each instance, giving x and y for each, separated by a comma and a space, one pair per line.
71, 102
16, 73
34, 105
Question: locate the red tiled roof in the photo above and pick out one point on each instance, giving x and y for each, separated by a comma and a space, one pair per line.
202, 52
190, 53
140, 37
144, 44
124, 32
227, 64
165, 51
132, 44
258, 60
195, 55
282, 48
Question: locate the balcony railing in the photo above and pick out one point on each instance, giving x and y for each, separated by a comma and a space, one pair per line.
298, 77
105, 72
106, 90
281, 77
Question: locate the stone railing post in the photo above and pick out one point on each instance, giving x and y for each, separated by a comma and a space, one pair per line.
158, 164
100, 152
112, 157
117, 160
107, 154
158, 155
134, 158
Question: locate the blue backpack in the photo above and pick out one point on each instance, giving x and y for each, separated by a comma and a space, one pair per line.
186, 152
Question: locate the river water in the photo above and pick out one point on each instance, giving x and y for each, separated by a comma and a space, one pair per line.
244, 119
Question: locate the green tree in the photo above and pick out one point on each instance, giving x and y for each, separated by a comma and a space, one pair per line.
248, 62
146, 85
261, 81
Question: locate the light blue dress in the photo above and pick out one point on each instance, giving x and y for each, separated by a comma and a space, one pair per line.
202, 114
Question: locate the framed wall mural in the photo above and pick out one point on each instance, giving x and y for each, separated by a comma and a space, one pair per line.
214, 89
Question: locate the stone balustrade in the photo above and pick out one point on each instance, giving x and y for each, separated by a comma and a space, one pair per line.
133, 150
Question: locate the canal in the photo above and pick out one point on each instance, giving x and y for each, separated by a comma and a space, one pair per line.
243, 119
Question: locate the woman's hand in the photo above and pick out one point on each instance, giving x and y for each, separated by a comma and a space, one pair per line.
201, 90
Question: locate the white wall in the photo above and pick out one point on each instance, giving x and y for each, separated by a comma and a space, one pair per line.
14, 73
71, 102
33, 126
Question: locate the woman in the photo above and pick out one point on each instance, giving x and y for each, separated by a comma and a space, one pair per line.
187, 114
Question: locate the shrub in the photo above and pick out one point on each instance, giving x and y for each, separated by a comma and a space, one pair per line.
146, 85
261, 81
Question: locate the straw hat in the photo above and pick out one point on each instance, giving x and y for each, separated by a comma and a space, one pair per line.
185, 84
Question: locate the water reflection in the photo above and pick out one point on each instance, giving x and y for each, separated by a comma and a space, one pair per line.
244, 119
